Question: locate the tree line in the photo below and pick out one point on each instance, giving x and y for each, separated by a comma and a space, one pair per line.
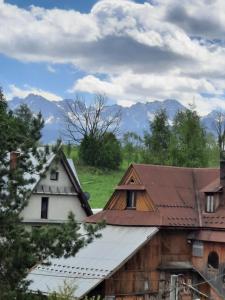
183, 143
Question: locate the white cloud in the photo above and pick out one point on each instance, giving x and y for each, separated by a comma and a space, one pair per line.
15, 91
129, 88
51, 69
145, 51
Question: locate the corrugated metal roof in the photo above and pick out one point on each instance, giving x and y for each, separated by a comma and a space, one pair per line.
93, 263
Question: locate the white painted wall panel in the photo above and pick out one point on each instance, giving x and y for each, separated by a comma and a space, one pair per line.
59, 206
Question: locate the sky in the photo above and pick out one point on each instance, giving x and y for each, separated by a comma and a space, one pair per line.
130, 51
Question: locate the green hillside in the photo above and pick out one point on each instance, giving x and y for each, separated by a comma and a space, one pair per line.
100, 184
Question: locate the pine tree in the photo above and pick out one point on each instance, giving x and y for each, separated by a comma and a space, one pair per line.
189, 142
20, 249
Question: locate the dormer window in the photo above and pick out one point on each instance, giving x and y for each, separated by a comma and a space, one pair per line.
54, 175
131, 199
210, 203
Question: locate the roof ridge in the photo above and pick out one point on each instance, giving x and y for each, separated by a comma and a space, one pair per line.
175, 167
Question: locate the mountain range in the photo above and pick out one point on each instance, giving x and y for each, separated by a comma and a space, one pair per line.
134, 118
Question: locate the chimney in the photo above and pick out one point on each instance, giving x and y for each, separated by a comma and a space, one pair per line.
13, 159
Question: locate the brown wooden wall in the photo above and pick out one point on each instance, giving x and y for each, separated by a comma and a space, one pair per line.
201, 262
146, 277
214, 275
175, 246
143, 202
141, 268
140, 274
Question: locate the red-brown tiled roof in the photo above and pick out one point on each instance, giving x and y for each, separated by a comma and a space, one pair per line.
208, 235
178, 197
212, 187
174, 186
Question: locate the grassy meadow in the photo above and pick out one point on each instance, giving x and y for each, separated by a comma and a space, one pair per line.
100, 184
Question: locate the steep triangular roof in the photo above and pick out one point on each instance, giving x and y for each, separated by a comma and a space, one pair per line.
70, 170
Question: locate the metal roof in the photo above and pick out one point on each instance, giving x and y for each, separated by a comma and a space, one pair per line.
177, 195
72, 166
93, 263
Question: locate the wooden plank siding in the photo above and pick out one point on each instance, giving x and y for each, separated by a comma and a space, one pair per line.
141, 275
143, 202
214, 275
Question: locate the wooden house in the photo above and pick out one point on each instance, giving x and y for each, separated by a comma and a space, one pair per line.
164, 239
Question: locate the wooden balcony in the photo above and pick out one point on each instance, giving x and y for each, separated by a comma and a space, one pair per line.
54, 190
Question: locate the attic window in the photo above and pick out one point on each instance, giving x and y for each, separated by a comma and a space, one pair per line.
131, 199
132, 181
54, 175
210, 203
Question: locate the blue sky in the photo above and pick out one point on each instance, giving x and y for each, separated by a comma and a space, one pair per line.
57, 78
128, 50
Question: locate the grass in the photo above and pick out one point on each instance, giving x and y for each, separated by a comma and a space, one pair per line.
99, 184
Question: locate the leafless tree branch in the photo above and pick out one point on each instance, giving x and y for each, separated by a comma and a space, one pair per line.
82, 120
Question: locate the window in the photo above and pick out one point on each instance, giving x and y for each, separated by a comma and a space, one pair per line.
197, 248
213, 260
54, 175
210, 205
131, 199
44, 208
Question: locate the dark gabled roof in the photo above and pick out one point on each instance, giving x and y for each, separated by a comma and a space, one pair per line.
178, 195
71, 172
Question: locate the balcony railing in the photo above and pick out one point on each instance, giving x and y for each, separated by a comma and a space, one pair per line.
55, 190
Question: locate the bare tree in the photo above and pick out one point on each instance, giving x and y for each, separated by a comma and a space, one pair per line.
219, 124
83, 120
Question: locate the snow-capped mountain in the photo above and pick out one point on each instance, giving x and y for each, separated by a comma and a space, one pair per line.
134, 118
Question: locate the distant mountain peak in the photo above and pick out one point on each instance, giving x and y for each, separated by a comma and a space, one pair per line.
134, 118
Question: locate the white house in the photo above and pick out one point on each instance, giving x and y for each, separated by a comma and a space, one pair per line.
56, 194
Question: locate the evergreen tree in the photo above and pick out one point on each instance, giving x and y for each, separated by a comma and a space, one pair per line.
20, 249
189, 143
157, 142
102, 152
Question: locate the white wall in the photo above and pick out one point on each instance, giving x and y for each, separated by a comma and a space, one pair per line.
58, 205
58, 208
63, 179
